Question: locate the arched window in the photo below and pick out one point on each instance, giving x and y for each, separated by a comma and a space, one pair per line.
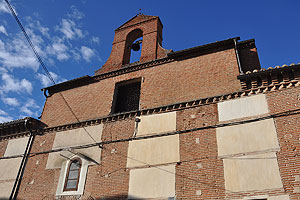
72, 176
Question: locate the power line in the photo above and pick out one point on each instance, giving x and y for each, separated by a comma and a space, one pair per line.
42, 63
276, 115
29, 41
112, 141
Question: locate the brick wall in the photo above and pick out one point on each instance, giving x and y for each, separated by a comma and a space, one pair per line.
200, 173
150, 28
111, 178
178, 81
37, 182
3, 145
288, 130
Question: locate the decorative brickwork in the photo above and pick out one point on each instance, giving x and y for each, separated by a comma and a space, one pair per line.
150, 27
180, 98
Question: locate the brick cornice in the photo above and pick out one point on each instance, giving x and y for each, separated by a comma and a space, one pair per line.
19, 128
175, 107
272, 76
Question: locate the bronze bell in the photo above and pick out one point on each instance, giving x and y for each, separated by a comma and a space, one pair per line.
136, 46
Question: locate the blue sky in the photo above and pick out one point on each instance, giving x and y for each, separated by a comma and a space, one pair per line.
74, 38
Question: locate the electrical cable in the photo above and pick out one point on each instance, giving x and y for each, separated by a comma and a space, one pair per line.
42, 63
112, 141
276, 115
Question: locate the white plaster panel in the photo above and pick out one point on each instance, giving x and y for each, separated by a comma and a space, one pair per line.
280, 197
158, 123
152, 182
250, 137
252, 172
243, 107
16, 146
62, 178
256, 197
153, 151
5, 189
75, 137
9, 168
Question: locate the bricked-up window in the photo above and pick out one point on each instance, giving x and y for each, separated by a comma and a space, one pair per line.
127, 96
73, 174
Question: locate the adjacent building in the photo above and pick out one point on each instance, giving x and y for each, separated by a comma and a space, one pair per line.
201, 123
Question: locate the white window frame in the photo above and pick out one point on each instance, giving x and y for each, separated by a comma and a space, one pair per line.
63, 174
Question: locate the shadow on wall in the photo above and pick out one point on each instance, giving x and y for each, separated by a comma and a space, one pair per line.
118, 197
121, 197
90, 197
249, 60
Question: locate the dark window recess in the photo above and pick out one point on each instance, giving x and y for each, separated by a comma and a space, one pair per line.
127, 96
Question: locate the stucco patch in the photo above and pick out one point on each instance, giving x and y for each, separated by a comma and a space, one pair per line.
16, 146
9, 168
153, 151
73, 138
157, 123
152, 182
280, 197
253, 172
5, 189
243, 107
255, 136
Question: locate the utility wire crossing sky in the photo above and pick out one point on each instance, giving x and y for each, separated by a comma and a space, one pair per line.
74, 38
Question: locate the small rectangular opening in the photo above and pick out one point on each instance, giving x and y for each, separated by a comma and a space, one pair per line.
126, 96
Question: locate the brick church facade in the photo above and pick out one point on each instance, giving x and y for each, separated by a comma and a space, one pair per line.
201, 123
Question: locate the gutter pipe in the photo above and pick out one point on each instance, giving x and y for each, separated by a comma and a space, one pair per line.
16, 187
237, 55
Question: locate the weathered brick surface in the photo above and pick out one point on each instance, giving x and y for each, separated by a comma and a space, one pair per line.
288, 131
3, 145
111, 178
200, 173
39, 183
150, 28
198, 77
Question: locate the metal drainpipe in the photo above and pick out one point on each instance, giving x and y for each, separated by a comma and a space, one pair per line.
237, 56
20, 174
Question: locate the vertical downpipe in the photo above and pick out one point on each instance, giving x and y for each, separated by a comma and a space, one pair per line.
16, 187
237, 56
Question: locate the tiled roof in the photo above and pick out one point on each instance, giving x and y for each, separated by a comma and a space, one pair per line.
276, 68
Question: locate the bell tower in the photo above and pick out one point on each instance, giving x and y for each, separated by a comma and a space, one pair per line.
145, 26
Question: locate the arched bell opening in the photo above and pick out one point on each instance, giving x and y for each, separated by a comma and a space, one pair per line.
133, 47
136, 50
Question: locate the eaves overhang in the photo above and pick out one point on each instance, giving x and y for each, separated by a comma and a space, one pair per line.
19, 127
229, 43
172, 56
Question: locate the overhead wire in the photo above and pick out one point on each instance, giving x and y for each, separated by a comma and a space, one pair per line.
128, 139
43, 65
276, 115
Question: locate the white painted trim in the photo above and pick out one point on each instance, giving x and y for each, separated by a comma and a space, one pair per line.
63, 172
